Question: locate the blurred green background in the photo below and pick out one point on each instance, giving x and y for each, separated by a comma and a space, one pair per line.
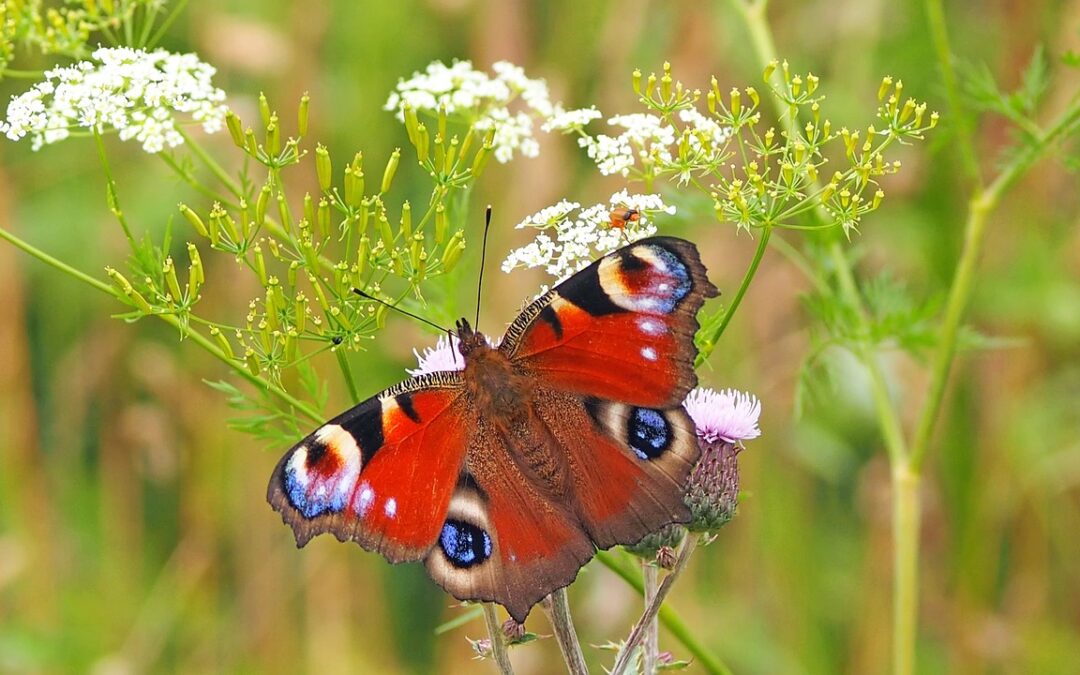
134, 534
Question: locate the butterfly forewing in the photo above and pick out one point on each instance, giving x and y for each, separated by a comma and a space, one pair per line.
382, 473
622, 328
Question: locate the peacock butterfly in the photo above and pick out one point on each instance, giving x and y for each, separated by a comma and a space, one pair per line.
506, 476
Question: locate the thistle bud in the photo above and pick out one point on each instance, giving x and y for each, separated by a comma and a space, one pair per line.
648, 548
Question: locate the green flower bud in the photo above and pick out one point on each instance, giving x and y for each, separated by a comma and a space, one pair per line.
252, 361
169, 270
411, 122
354, 186
323, 167
322, 218
883, 89
273, 136
454, 248
423, 143
769, 70
385, 232
196, 265
223, 342
441, 223
236, 129
736, 101
260, 264
264, 109
260, 205
283, 211
636, 80
391, 169
194, 219
406, 220
302, 114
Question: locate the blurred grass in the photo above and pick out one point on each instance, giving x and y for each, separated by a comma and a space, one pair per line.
134, 536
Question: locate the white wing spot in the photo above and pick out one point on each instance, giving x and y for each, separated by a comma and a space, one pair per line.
391, 508
650, 326
367, 495
649, 353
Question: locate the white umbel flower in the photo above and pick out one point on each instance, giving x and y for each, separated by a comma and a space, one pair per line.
568, 242
509, 101
132, 91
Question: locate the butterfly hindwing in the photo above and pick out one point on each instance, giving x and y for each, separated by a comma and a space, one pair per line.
620, 329
382, 473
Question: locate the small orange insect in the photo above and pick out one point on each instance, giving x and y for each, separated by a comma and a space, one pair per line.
622, 215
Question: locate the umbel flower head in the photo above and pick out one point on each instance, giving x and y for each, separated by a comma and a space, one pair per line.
482, 100
569, 237
135, 92
723, 420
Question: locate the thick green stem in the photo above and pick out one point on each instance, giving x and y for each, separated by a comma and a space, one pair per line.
963, 282
498, 642
558, 608
906, 515
709, 343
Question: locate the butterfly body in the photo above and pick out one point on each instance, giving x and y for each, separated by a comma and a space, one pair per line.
505, 476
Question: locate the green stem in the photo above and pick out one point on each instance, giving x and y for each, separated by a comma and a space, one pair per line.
939, 34
498, 644
650, 575
626, 653
905, 517
170, 319
709, 343
346, 372
669, 618
964, 279
177, 8
210, 163
22, 74
112, 197
558, 609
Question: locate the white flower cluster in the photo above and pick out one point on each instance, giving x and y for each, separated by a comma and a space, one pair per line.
568, 243
569, 120
482, 99
646, 138
132, 91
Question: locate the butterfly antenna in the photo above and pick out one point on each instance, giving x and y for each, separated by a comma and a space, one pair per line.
399, 310
483, 256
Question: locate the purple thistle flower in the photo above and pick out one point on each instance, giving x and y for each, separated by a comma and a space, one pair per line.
723, 419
